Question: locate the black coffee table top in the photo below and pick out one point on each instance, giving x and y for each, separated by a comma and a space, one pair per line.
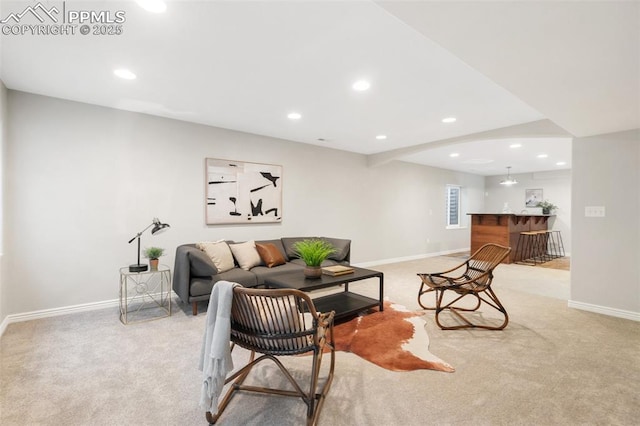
296, 279
344, 303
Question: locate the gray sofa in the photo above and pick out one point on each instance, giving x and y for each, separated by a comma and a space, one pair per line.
194, 273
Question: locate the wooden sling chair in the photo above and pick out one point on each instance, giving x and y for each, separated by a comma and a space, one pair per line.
471, 278
276, 323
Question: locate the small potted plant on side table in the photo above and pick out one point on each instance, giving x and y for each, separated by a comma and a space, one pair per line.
547, 207
313, 252
153, 254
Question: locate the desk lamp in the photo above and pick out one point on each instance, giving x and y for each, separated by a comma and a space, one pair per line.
157, 227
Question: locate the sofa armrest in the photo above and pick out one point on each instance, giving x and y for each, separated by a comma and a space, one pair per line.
182, 271
200, 264
343, 249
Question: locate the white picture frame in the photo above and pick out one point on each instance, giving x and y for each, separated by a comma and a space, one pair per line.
532, 197
242, 192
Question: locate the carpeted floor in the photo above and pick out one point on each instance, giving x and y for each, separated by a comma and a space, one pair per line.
552, 365
563, 263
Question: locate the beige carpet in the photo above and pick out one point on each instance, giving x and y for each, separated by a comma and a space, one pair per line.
563, 263
551, 366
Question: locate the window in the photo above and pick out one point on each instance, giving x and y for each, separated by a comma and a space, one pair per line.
453, 206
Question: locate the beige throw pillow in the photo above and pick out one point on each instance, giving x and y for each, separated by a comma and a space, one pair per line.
219, 253
281, 316
246, 254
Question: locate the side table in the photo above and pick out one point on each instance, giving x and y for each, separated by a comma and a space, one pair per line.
145, 295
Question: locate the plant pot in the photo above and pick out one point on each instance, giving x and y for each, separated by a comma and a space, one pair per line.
153, 264
312, 272
546, 211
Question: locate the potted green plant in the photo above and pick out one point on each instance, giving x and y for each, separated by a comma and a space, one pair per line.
313, 252
547, 207
153, 254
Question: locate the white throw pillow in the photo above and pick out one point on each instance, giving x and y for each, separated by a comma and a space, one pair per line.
219, 253
246, 254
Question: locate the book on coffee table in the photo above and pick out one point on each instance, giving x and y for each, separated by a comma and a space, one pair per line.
337, 270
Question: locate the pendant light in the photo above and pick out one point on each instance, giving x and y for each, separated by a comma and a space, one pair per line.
509, 180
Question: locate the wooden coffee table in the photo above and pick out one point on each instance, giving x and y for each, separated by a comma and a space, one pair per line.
344, 303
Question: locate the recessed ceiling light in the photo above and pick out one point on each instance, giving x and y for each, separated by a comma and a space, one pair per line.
449, 120
515, 145
361, 85
454, 154
561, 163
155, 6
294, 116
542, 155
381, 137
124, 73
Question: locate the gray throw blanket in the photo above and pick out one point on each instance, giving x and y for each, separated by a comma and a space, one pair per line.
215, 357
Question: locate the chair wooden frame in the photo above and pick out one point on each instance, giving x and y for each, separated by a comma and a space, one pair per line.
471, 278
271, 322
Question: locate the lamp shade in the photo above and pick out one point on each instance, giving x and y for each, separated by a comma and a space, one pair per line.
159, 227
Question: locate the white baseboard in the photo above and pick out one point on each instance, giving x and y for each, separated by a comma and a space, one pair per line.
3, 325
408, 258
613, 312
46, 313
65, 310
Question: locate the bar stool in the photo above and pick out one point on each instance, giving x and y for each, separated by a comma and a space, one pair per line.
551, 247
560, 243
556, 246
532, 248
544, 254
524, 249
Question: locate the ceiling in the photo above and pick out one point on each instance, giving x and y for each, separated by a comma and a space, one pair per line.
533, 73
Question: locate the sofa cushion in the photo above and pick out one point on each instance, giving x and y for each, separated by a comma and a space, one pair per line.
246, 254
200, 265
270, 255
262, 272
342, 248
200, 286
203, 286
219, 253
240, 276
289, 245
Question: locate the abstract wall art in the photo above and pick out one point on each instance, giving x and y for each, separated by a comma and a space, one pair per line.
240, 192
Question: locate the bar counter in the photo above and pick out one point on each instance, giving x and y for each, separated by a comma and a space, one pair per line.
504, 229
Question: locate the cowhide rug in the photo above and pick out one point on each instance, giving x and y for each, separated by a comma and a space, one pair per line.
394, 339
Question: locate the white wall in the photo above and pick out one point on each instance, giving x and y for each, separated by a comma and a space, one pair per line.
556, 188
83, 180
3, 182
606, 250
